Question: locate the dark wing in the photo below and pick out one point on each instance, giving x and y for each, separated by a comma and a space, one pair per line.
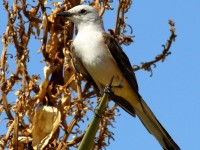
125, 67
124, 104
121, 60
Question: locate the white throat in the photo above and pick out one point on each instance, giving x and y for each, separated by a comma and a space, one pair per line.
93, 25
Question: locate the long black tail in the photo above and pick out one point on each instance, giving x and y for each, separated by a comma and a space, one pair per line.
154, 127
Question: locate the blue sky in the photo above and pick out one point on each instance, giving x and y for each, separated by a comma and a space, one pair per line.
173, 92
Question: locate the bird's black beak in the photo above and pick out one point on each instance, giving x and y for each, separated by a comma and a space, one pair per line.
65, 14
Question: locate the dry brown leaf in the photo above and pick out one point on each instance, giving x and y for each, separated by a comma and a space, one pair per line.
44, 22
52, 17
33, 11
96, 4
52, 45
23, 140
45, 122
43, 86
69, 74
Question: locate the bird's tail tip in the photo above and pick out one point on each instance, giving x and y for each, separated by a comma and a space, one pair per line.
154, 127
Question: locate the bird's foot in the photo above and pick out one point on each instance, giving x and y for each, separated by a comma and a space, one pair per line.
108, 88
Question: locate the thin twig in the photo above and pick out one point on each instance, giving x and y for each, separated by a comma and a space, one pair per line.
161, 57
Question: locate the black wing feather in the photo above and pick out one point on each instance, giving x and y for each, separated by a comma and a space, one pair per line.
121, 60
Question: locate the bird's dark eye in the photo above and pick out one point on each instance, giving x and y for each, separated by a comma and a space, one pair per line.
83, 11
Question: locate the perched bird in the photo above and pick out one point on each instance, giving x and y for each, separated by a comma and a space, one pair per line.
99, 57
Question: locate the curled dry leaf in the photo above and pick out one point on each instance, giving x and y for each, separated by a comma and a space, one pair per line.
23, 140
43, 86
33, 11
69, 74
52, 16
45, 122
96, 5
44, 22
52, 45
56, 4
37, 27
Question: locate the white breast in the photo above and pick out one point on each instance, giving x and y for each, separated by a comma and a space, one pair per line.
90, 48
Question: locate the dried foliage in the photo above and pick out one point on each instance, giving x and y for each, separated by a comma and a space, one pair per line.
50, 112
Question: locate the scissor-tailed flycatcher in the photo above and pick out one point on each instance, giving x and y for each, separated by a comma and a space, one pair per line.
98, 57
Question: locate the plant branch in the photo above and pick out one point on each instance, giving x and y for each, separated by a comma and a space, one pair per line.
161, 57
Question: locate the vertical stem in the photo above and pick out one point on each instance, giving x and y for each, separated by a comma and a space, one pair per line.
88, 139
16, 127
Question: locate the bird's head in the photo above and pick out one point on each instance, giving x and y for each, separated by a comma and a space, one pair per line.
81, 14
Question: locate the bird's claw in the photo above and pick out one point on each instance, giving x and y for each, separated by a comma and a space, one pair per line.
108, 88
